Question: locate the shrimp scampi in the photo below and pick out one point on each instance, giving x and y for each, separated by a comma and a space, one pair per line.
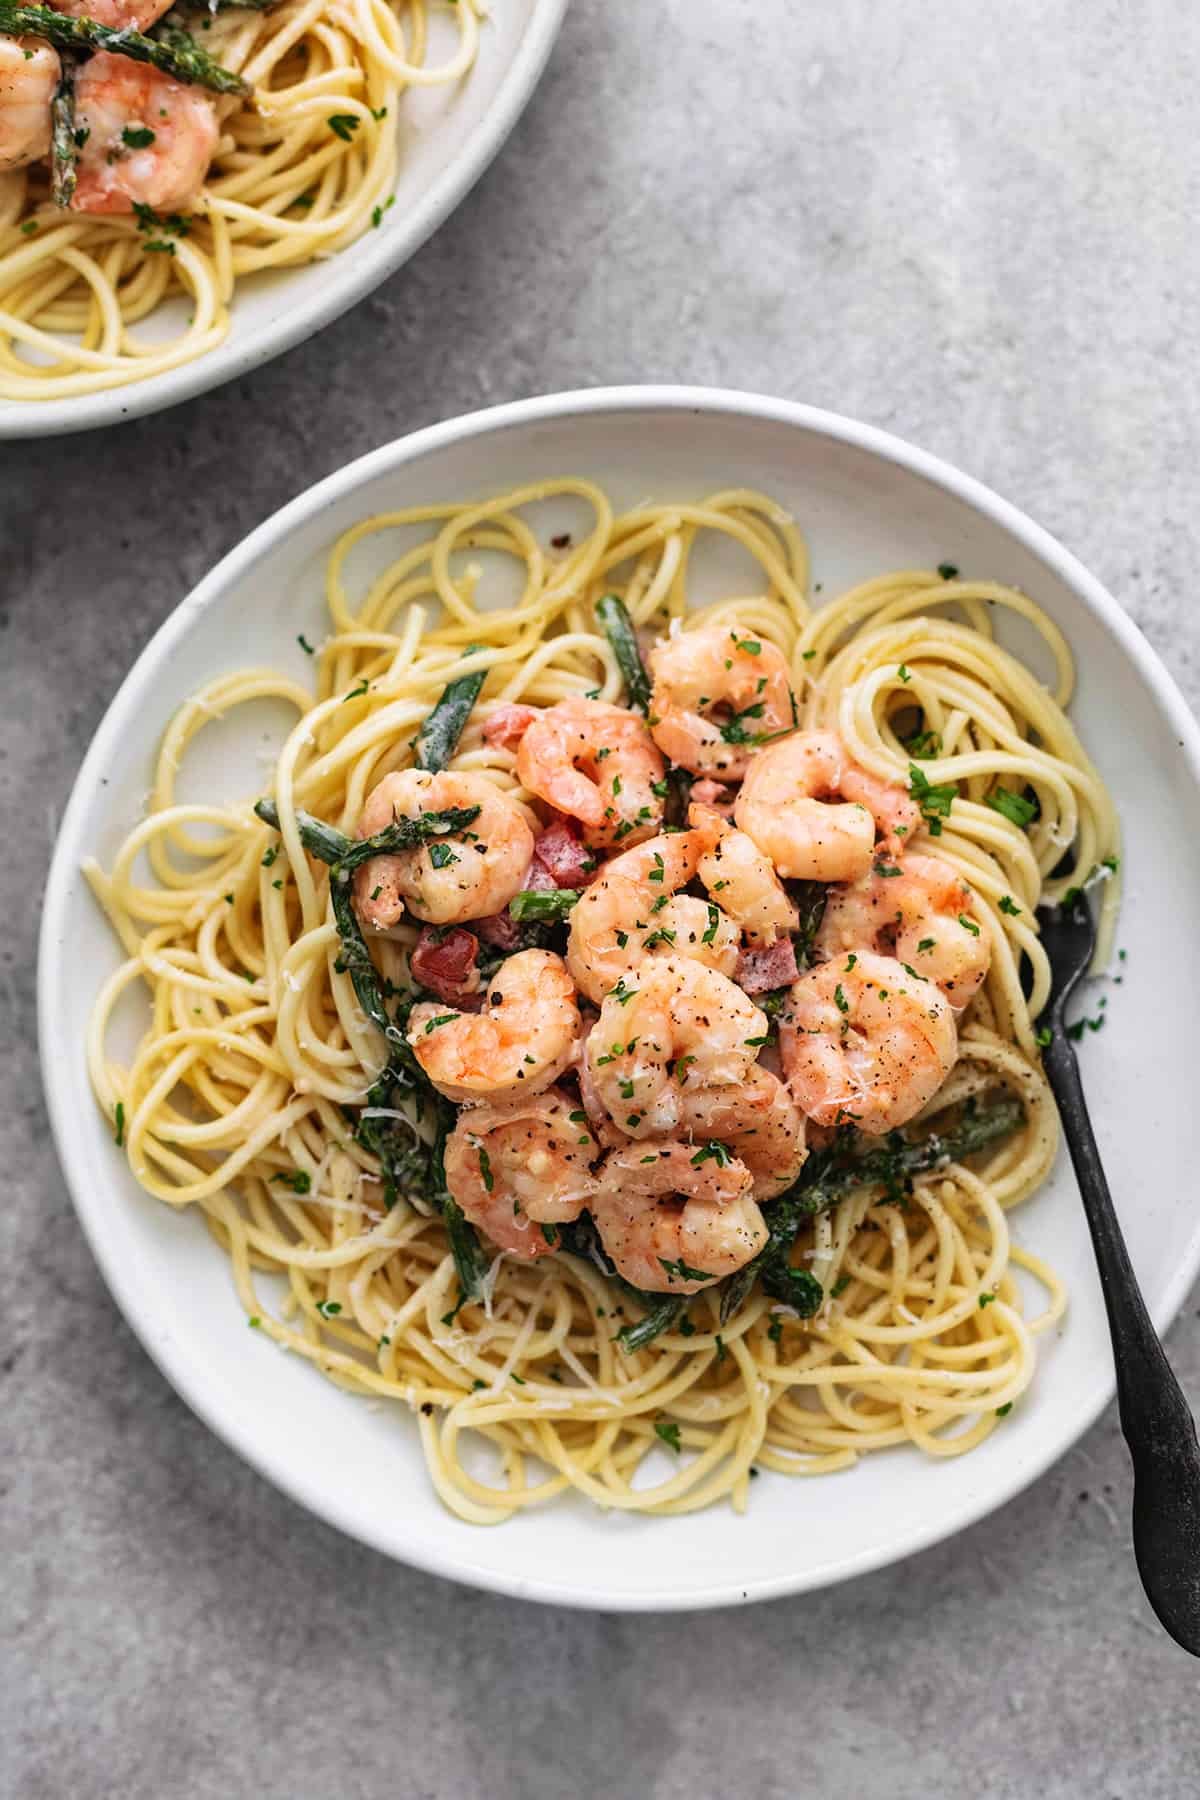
469, 876
633, 909
717, 693
598, 764
673, 1028
519, 1171
866, 1043
741, 879
674, 1219
918, 912
522, 1040
146, 140
30, 71
758, 1120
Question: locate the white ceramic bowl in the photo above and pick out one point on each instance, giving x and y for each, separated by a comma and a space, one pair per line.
868, 503
451, 135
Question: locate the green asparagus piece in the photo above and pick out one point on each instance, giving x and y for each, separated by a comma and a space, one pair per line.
438, 737
679, 796
543, 903
408, 1163
810, 898
579, 1237
617, 627
64, 150
830, 1174
344, 854
183, 61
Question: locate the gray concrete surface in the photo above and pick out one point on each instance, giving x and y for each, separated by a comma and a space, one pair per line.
972, 224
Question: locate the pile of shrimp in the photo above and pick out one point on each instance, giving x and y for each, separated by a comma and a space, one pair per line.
771, 903
635, 1076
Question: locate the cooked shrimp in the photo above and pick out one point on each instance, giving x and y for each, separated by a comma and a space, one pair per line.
469, 876
672, 1027
675, 1219
785, 807
718, 692
895, 813
522, 1040
149, 139
759, 1121
921, 914
29, 74
741, 879
597, 763
864, 1043
516, 1169
121, 14
633, 909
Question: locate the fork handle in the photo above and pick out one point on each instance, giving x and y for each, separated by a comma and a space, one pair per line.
1155, 1417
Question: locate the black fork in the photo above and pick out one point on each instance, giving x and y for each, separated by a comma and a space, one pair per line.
1155, 1417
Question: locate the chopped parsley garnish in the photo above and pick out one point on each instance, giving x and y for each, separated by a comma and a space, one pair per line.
442, 1019
839, 1287
904, 673
1013, 807
485, 1170
137, 137
442, 856
682, 1271
669, 1435
887, 870
1043, 1037
947, 571
119, 1124
550, 1233
925, 745
328, 1309
850, 962
840, 1000
968, 924
270, 855
299, 1180
308, 649
714, 920
986, 1299
924, 945
1002, 1412
1008, 905
712, 1152
344, 125
934, 800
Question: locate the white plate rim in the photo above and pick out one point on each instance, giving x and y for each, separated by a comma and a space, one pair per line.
352, 278
158, 1342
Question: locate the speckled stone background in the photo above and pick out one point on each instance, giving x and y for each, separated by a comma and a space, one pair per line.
973, 224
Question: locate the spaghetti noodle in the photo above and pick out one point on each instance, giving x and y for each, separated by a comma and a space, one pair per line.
245, 1091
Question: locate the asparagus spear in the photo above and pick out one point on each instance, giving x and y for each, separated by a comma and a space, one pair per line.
180, 58
810, 898
830, 1174
64, 150
438, 737
543, 903
407, 1163
617, 626
344, 854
